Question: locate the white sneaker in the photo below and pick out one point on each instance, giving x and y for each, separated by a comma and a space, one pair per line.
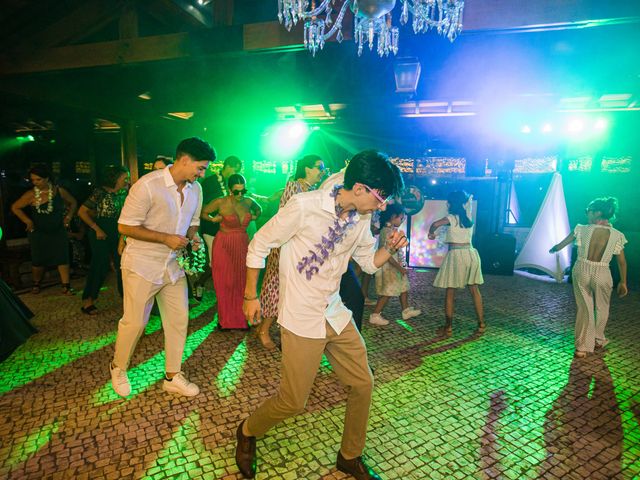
179, 384
377, 319
410, 312
120, 381
369, 302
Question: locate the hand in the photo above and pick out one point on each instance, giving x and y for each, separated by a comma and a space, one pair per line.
431, 236
251, 310
29, 226
622, 290
175, 242
396, 240
196, 243
402, 270
100, 234
216, 219
66, 221
121, 244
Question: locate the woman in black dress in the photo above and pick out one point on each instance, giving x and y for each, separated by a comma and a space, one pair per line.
50, 210
100, 212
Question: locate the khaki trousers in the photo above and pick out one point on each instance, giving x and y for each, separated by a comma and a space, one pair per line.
301, 359
137, 302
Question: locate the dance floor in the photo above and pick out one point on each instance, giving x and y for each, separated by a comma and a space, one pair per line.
510, 404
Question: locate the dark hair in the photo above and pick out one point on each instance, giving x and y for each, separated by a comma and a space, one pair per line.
111, 173
164, 159
196, 148
232, 162
375, 170
456, 201
236, 179
308, 161
41, 171
607, 206
392, 210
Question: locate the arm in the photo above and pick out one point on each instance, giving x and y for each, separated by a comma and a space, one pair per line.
435, 225
622, 267
568, 239
174, 242
17, 208
71, 204
209, 208
277, 231
370, 259
255, 209
86, 216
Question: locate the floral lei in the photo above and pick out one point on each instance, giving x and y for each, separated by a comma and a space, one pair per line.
38, 193
221, 182
190, 260
311, 264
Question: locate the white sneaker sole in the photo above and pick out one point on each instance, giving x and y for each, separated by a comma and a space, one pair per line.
167, 387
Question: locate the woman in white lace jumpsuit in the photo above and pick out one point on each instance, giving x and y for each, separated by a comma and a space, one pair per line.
597, 243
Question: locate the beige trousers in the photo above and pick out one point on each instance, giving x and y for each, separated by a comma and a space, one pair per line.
301, 359
592, 285
174, 312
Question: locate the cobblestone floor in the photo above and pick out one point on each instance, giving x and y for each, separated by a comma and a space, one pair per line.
510, 404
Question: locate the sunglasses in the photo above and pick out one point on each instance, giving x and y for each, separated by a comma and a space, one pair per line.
320, 167
239, 192
383, 201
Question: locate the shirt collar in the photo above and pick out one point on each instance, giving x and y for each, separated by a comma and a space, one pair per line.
168, 179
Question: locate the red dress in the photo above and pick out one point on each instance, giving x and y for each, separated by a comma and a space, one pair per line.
228, 265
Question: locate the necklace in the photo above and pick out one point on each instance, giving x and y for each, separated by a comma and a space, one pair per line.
192, 261
311, 264
38, 198
223, 187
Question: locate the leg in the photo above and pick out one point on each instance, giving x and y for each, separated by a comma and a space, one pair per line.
263, 333
477, 304
382, 302
173, 303
138, 299
585, 321
65, 279
449, 299
299, 366
404, 300
38, 273
98, 270
602, 295
348, 357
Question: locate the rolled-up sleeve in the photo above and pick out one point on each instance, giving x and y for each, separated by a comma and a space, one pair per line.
195, 220
136, 206
276, 232
366, 250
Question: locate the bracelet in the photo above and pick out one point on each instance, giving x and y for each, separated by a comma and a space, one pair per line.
250, 298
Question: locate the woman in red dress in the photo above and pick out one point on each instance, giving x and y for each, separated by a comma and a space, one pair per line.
229, 251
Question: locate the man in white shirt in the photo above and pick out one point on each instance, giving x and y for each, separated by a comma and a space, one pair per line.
160, 216
318, 232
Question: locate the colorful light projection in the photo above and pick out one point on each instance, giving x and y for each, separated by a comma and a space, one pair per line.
422, 251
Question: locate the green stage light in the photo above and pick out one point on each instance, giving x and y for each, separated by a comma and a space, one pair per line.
283, 141
600, 125
575, 126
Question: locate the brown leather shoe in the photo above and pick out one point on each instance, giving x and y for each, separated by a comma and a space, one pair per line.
356, 468
246, 453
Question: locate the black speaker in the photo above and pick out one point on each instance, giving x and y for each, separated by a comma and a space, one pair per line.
497, 253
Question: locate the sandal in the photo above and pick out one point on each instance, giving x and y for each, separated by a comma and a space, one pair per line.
266, 341
67, 290
444, 331
481, 327
90, 310
35, 289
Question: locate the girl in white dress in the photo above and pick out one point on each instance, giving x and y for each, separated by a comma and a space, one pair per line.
461, 266
597, 243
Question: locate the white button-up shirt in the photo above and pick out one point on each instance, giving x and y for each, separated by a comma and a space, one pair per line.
297, 228
154, 203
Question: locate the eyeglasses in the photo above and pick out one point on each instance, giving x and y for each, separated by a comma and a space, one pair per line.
383, 201
239, 192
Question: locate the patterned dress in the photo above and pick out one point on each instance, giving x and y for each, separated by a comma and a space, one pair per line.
269, 294
389, 281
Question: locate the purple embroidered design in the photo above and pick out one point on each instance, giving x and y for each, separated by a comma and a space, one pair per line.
310, 264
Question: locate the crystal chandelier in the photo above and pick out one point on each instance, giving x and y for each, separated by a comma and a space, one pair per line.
372, 18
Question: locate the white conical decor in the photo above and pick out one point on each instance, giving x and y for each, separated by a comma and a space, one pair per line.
513, 216
550, 227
